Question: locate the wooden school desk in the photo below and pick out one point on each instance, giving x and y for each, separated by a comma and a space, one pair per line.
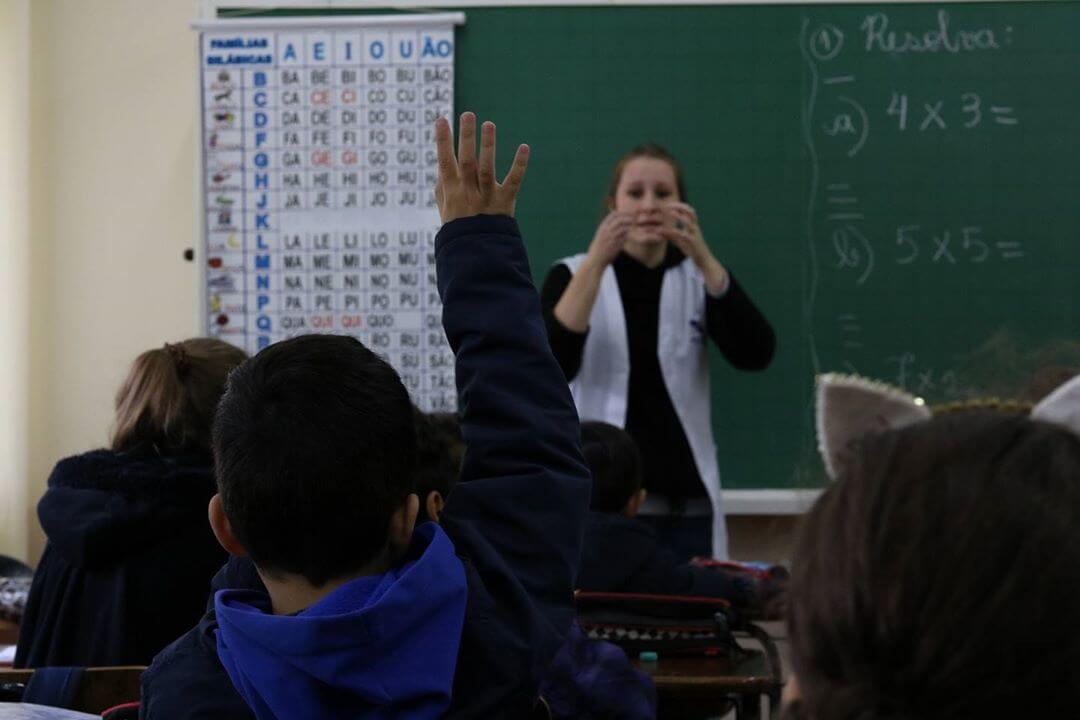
9, 632
100, 688
700, 687
9, 636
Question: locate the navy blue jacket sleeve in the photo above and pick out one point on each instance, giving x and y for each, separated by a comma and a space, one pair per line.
524, 483
524, 479
186, 680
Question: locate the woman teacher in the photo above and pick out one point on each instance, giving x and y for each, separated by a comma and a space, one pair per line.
627, 321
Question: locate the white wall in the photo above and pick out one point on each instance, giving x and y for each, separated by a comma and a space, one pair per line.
14, 272
112, 164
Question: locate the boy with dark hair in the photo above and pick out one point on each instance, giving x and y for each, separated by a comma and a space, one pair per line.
440, 450
623, 554
299, 508
335, 602
615, 463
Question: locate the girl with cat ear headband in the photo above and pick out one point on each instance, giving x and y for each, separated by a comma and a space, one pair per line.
849, 406
939, 576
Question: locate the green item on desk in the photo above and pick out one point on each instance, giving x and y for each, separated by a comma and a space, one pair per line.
648, 656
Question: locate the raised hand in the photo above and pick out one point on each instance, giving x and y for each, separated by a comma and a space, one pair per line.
685, 233
683, 230
466, 186
610, 237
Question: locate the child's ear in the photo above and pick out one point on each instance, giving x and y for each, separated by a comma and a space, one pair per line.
791, 692
433, 505
219, 523
402, 524
634, 503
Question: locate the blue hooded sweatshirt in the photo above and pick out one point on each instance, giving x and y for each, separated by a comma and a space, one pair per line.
379, 646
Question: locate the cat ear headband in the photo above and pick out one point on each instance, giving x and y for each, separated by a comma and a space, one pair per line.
849, 407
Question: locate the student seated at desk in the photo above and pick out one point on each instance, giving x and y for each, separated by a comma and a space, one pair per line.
130, 554
588, 678
939, 575
623, 554
368, 614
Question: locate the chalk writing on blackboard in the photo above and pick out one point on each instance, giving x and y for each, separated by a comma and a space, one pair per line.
850, 330
923, 379
941, 38
852, 235
853, 251
966, 111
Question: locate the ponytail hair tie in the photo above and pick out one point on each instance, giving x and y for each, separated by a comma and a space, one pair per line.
179, 356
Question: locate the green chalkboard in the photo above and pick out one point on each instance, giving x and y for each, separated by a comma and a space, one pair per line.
895, 185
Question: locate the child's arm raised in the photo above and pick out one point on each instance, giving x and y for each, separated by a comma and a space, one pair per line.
524, 487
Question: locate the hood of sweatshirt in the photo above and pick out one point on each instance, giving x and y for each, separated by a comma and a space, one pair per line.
104, 506
380, 646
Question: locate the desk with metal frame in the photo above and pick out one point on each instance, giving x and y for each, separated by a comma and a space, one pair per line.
690, 687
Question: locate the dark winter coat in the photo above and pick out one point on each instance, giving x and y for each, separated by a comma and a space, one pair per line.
128, 562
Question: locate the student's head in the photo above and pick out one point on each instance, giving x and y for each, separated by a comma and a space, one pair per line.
645, 180
1046, 380
167, 401
939, 576
440, 450
615, 464
314, 444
